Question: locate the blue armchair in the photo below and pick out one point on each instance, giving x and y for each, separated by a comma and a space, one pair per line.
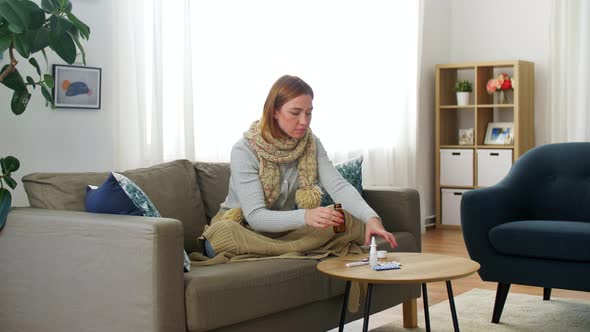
533, 227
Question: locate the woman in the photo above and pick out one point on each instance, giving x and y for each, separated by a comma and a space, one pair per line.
275, 172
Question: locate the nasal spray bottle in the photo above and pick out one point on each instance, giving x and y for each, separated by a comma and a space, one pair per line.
373, 253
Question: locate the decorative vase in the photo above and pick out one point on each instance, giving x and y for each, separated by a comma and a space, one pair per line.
462, 98
503, 97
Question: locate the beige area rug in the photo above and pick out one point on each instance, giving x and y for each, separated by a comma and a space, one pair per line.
474, 310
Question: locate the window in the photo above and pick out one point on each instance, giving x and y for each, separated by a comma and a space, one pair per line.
360, 57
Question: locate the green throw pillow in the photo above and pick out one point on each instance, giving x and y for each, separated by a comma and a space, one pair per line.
351, 171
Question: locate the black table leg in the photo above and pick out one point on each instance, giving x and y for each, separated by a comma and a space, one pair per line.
367, 307
452, 303
344, 307
426, 312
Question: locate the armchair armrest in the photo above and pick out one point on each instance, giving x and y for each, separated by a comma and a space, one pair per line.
485, 208
399, 208
74, 271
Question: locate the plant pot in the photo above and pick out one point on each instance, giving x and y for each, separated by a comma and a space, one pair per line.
463, 98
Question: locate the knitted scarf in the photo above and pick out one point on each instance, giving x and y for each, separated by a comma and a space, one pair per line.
274, 151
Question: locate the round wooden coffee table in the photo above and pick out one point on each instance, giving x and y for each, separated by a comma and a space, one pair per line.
415, 268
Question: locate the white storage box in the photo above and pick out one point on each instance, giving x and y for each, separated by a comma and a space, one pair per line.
451, 206
492, 166
456, 167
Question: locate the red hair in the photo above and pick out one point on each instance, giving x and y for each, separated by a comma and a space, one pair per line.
283, 90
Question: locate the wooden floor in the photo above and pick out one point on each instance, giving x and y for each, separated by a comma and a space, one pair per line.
450, 242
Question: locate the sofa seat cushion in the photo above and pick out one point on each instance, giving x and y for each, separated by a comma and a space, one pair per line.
226, 294
548, 239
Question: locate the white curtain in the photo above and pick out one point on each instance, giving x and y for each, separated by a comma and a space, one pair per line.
199, 76
152, 82
569, 73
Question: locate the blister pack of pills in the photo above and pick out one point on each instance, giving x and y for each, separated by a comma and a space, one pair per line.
387, 266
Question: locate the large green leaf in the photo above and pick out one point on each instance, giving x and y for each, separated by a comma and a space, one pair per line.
35, 64
20, 100
83, 28
77, 41
9, 181
4, 42
59, 39
45, 57
48, 80
40, 40
31, 81
65, 5
50, 5
14, 80
37, 15
22, 15
64, 46
23, 43
47, 95
11, 12
9, 164
5, 201
60, 25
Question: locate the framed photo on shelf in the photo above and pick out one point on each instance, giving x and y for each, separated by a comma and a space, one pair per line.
466, 136
76, 87
499, 133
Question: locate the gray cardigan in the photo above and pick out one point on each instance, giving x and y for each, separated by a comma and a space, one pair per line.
245, 191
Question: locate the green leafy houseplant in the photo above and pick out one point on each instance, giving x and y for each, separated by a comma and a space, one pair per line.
30, 29
463, 86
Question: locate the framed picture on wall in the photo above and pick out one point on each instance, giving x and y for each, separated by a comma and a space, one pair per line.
499, 133
76, 87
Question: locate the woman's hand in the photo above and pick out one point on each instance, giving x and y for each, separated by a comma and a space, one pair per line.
375, 227
323, 217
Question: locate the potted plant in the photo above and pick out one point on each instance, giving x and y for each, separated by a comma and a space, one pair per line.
463, 89
29, 29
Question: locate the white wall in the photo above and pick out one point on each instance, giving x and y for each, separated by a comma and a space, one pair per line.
505, 30
46, 140
436, 38
476, 30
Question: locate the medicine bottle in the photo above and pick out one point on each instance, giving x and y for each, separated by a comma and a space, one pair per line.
342, 227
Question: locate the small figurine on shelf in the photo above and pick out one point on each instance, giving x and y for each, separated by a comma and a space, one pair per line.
501, 84
463, 89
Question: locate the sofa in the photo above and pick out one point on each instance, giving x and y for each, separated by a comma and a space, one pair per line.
533, 227
63, 269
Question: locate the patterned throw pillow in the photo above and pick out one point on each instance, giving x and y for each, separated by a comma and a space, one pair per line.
352, 171
119, 195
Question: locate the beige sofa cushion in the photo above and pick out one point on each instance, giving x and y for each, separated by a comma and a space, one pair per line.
213, 179
172, 187
226, 294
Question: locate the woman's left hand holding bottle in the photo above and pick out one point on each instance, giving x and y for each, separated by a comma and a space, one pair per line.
323, 217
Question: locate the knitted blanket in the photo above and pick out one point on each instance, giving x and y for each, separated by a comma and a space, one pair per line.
233, 241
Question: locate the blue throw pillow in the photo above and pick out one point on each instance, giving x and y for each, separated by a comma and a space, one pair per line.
119, 195
352, 171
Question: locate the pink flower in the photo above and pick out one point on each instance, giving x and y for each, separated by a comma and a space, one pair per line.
500, 83
491, 86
